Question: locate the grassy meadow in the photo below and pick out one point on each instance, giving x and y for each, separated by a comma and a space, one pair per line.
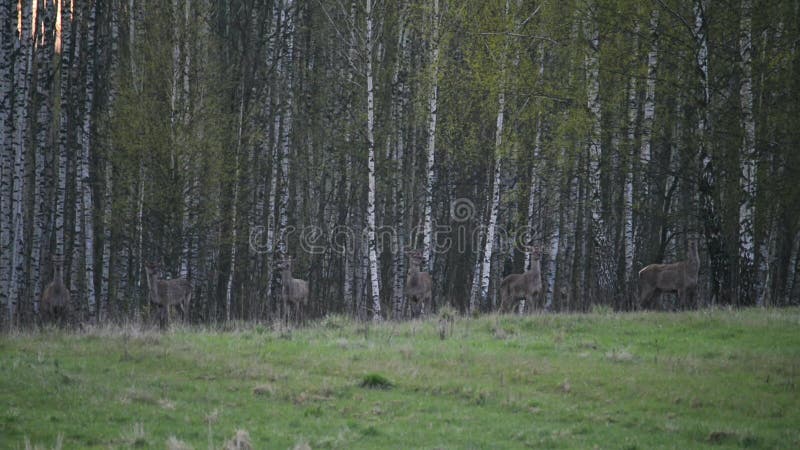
718, 379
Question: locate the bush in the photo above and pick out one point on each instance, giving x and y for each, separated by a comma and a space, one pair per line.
375, 381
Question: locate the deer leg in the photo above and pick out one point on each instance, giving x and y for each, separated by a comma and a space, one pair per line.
645, 292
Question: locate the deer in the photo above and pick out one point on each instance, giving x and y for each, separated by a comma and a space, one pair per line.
54, 304
418, 284
526, 285
294, 292
165, 293
679, 277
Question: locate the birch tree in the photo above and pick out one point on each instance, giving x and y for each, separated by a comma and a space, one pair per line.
629, 233
433, 110
495, 202
708, 180
399, 104
597, 224
371, 242
83, 171
748, 159
22, 65
43, 58
6, 155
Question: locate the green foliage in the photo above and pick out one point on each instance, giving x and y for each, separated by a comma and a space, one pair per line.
375, 381
643, 380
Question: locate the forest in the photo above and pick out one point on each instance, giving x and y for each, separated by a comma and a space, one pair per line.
215, 139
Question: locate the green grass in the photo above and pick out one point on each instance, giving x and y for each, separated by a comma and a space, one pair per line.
720, 379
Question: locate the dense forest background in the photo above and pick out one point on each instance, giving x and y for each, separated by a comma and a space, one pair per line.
216, 136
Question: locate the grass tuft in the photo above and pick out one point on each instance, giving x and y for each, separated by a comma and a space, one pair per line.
174, 443
375, 381
239, 441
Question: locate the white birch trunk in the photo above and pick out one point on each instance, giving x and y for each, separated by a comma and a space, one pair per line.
286, 125
398, 194
44, 56
86, 188
274, 152
650, 97
495, 205
6, 154
189, 176
555, 245
629, 236
105, 271
372, 245
234, 215
433, 110
61, 191
748, 157
22, 70
597, 226
537, 146
105, 277
705, 200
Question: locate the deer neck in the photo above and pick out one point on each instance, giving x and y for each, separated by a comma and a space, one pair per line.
58, 274
286, 275
693, 259
413, 268
152, 281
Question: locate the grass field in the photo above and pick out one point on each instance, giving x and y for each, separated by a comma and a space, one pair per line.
721, 379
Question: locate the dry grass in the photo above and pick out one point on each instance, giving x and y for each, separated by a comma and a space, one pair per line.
239, 441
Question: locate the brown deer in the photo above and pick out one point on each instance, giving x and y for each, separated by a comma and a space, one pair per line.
294, 292
55, 299
165, 293
679, 277
527, 285
418, 284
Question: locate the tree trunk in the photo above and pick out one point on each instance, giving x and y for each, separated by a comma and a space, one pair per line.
707, 190
537, 148
399, 103
22, 70
6, 155
629, 233
433, 105
234, 214
44, 56
372, 245
598, 276
495, 203
747, 162
86, 146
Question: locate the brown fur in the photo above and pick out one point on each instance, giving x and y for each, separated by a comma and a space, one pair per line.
165, 293
418, 285
527, 285
294, 292
679, 277
54, 305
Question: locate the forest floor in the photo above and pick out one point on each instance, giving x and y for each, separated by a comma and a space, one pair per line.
716, 378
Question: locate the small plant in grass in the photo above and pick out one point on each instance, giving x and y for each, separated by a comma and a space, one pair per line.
240, 441
174, 443
602, 310
447, 317
375, 381
136, 437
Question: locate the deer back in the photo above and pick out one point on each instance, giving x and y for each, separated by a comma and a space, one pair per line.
664, 277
